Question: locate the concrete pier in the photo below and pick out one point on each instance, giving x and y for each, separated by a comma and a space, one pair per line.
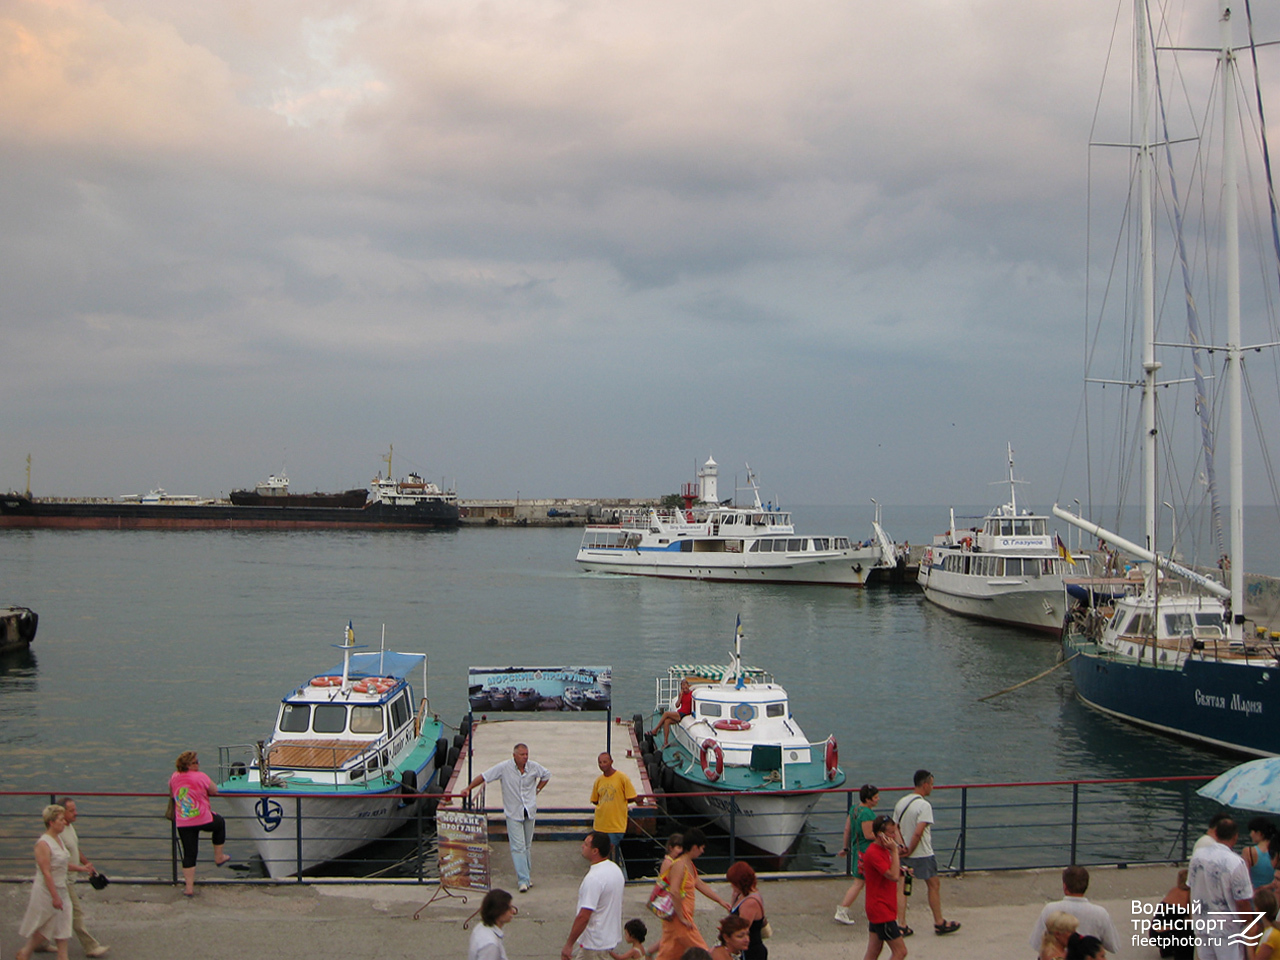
341, 921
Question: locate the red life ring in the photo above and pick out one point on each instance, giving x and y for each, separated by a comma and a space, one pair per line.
327, 682
732, 724
711, 773
832, 757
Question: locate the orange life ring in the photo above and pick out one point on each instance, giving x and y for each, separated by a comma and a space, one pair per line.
732, 724
832, 757
374, 685
711, 773
327, 682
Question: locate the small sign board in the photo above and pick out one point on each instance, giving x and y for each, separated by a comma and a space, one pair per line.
539, 689
462, 841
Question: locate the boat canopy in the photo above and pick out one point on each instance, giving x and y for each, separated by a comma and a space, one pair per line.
384, 664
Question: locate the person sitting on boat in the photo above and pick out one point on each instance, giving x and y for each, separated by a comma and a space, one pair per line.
684, 708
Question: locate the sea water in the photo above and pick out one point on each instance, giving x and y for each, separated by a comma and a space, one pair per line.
152, 643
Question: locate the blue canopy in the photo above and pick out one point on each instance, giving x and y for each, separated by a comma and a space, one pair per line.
385, 664
1254, 785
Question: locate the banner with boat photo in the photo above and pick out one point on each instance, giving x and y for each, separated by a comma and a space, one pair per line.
539, 689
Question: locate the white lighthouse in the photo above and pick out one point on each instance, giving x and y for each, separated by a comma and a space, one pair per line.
707, 482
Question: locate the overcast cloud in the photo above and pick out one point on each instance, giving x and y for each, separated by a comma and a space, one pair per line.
561, 248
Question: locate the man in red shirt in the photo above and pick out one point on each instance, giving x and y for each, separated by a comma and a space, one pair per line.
882, 871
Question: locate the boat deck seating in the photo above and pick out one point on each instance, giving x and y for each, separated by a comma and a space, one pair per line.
308, 754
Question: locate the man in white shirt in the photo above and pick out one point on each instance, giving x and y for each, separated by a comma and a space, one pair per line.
1094, 919
914, 816
1219, 881
597, 928
522, 780
92, 948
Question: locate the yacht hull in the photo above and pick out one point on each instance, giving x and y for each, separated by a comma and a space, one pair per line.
1230, 705
770, 824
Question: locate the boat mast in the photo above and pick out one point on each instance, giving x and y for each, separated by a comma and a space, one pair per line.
1150, 366
1230, 126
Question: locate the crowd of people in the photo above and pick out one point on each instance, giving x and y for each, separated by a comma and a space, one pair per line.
887, 852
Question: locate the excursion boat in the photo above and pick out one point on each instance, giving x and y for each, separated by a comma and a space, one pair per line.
346, 743
1173, 654
740, 738
708, 540
1009, 570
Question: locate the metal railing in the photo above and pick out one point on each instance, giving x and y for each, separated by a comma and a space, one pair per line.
988, 826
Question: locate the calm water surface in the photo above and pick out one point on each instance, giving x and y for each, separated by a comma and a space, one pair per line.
151, 643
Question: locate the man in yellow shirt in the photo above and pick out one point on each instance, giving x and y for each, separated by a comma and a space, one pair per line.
611, 793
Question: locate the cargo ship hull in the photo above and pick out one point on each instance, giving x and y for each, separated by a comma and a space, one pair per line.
19, 511
352, 499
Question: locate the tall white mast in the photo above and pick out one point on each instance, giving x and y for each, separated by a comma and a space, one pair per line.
1230, 135
1150, 366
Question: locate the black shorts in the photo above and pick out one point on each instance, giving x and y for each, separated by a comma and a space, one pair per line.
887, 931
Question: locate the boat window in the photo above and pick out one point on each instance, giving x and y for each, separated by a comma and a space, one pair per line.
710, 709
820, 543
366, 719
686, 546
330, 718
1038, 528
842, 543
775, 709
400, 711
744, 712
295, 717
1178, 624
1006, 528
794, 546
1209, 625
1013, 566
765, 546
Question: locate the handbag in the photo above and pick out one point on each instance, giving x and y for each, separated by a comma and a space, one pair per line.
168, 809
661, 902
766, 931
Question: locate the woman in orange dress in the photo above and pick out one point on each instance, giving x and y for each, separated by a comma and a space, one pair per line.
680, 932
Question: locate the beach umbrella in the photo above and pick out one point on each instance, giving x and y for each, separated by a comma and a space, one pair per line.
1251, 786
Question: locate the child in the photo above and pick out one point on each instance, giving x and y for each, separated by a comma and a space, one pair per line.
1265, 901
634, 933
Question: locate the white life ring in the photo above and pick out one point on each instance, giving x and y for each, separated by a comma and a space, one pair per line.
711, 747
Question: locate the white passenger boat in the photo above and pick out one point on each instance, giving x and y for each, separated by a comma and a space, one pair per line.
346, 742
740, 739
1010, 570
708, 540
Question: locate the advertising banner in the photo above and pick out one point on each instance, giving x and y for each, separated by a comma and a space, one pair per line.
462, 840
539, 689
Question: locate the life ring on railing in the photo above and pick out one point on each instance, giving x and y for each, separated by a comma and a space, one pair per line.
373, 685
326, 682
710, 746
732, 724
832, 757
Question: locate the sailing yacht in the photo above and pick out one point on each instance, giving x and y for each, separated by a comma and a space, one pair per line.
1174, 654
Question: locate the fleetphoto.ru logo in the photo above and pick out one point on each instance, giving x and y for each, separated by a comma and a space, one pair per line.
1173, 925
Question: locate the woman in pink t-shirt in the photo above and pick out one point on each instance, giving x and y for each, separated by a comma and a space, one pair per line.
191, 790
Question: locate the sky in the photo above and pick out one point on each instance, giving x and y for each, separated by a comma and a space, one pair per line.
551, 248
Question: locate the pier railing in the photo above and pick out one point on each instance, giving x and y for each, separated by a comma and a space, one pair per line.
986, 826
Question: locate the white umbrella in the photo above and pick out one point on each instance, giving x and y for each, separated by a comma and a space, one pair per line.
1251, 786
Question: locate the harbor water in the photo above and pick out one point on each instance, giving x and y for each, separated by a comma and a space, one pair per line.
152, 643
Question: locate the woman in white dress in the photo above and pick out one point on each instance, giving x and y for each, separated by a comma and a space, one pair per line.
48, 915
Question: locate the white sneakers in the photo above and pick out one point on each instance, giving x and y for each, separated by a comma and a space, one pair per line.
524, 887
842, 916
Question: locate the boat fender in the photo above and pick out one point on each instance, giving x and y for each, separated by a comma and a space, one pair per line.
446, 774
732, 724
655, 774
442, 747
832, 757
668, 778
711, 748
453, 755
459, 740
409, 781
